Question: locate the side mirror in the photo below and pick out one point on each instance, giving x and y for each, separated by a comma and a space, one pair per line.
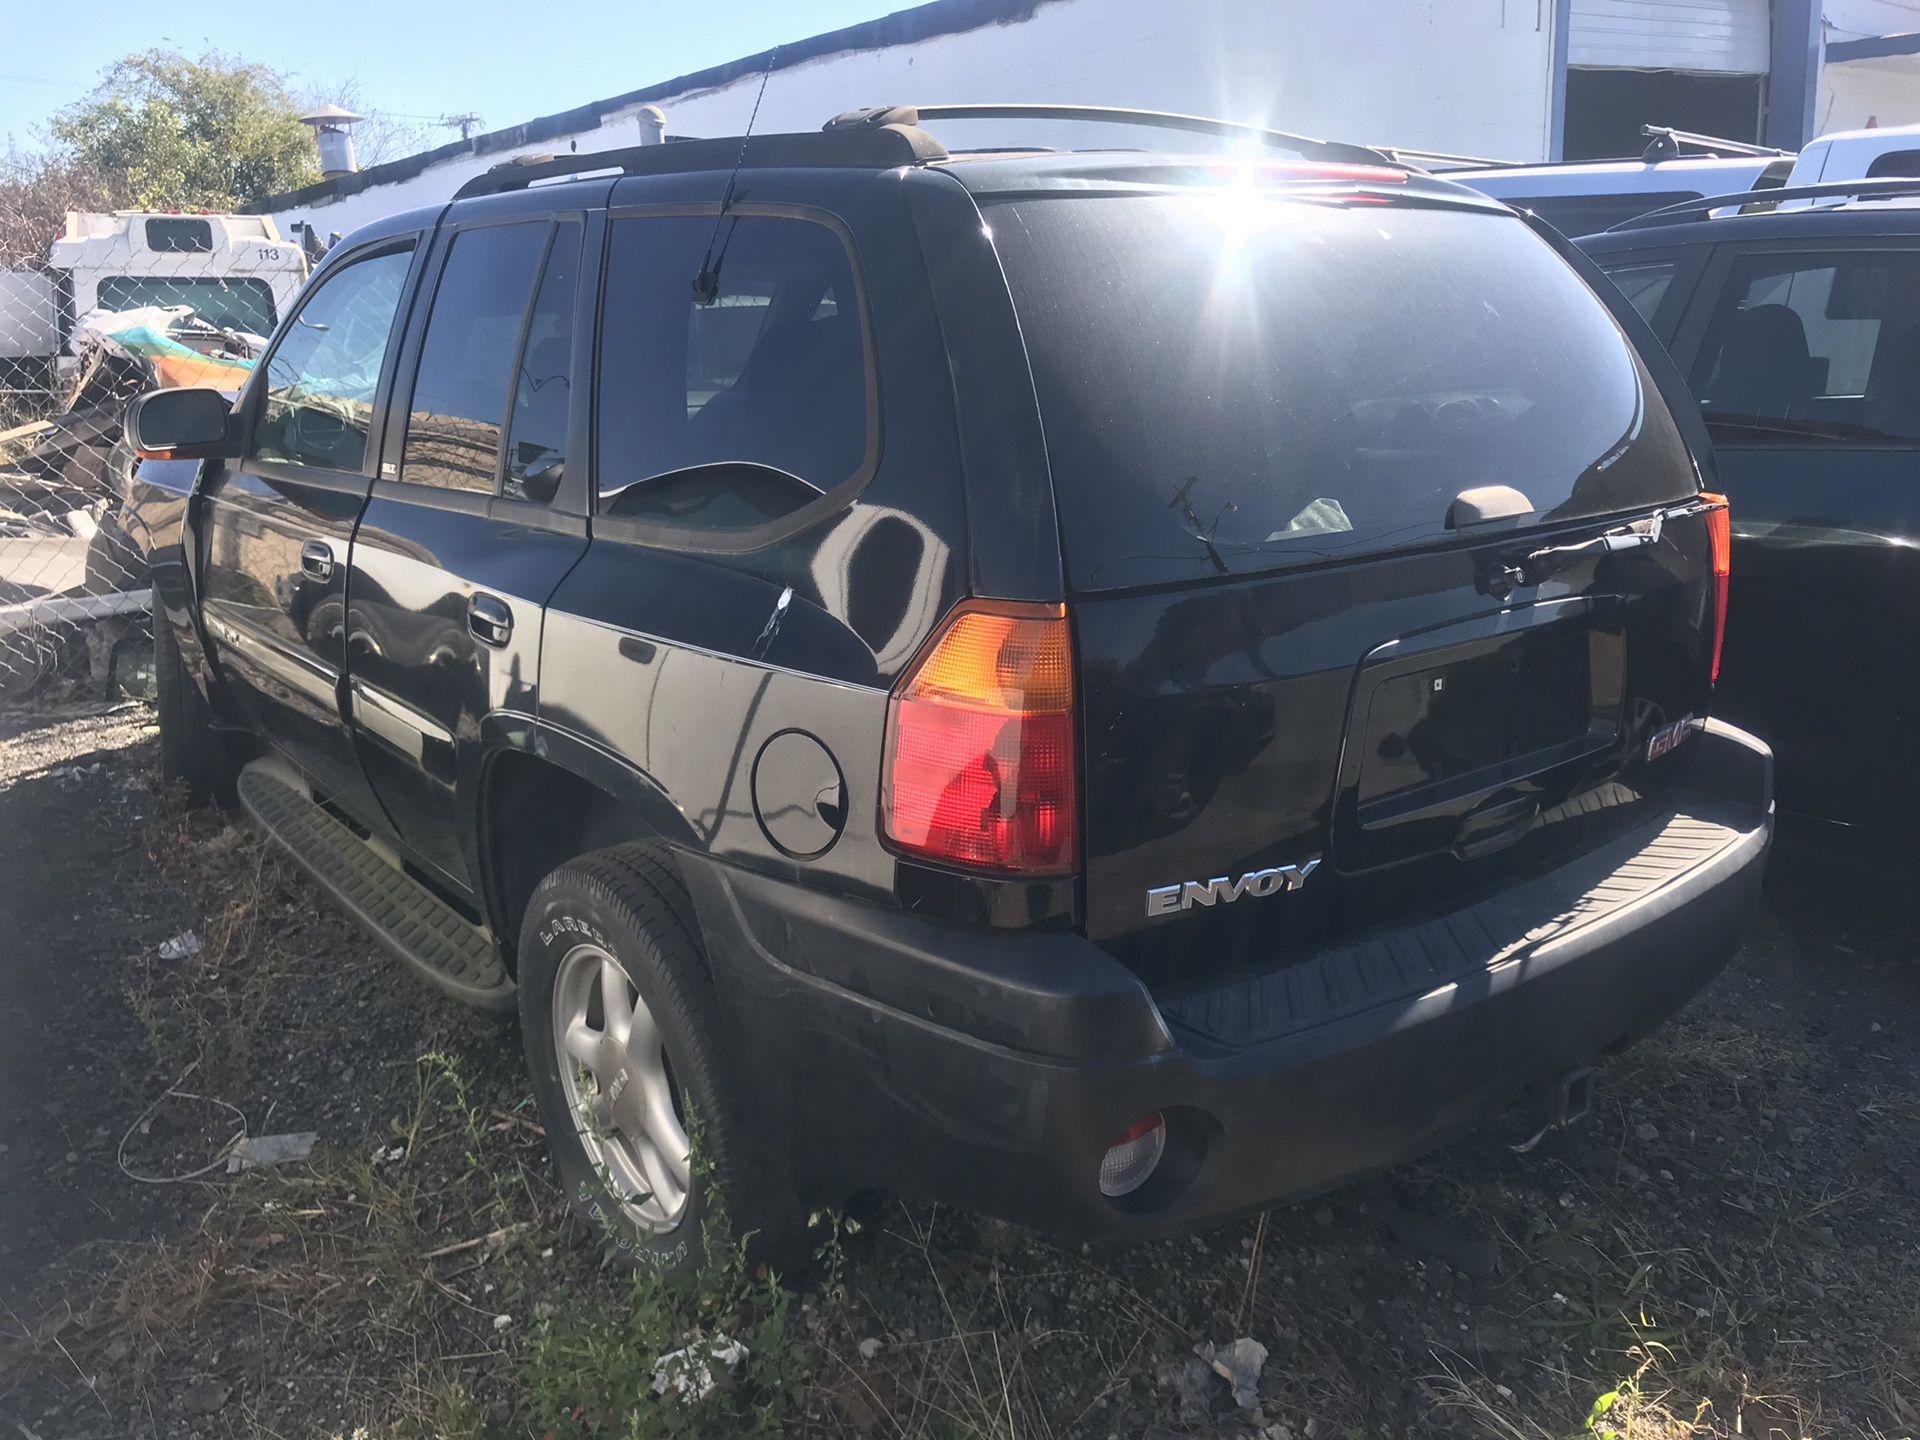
187, 424
541, 481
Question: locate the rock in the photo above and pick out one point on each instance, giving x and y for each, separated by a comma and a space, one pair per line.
869, 1347
1647, 1132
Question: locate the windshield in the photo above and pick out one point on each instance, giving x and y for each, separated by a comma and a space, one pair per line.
1234, 380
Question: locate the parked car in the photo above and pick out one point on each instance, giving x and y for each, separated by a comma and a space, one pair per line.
1109, 689
1578, 196
1584, 196
1799, 330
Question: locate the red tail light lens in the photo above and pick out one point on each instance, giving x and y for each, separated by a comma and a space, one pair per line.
1720, 534
980, 767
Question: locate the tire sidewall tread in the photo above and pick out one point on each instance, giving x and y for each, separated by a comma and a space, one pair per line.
630, 901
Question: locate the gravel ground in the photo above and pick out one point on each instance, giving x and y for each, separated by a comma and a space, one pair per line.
1727, 1247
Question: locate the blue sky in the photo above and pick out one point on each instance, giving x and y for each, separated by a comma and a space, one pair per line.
509, 60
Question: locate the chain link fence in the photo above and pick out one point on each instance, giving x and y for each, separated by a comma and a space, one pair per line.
116, 303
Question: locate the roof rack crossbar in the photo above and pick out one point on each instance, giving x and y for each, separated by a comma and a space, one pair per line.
1667, 143
1706, 205
523, 170
1306, 145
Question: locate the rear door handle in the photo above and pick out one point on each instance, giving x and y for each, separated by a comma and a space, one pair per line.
490, 620
316, 560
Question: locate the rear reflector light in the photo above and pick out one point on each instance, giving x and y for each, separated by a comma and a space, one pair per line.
1131, 1163
980, 767
1720, 535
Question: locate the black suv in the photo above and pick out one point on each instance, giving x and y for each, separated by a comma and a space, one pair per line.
1796, 316
1108, 688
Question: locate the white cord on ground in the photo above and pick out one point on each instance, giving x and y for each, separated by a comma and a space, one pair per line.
174, 1092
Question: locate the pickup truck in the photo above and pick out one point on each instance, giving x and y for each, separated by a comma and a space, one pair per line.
1109, 689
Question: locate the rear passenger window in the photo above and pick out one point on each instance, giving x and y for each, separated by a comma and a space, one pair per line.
1645, 286
1815, 348
733, 413
467, 358
322, 374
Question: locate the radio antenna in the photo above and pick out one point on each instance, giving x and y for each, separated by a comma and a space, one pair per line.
706, 284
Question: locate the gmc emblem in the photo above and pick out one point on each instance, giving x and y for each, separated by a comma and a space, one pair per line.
1167, 899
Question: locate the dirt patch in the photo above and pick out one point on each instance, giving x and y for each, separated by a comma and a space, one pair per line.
1726, 1248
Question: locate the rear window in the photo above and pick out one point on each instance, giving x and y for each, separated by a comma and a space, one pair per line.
1232, 382
171, 234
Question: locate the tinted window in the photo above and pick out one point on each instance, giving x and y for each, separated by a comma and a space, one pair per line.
1645, 286
543, 389
739, 411
1231, 381
1822, 348
322, 375
467, 359
177, 234
1894, 162
237, 304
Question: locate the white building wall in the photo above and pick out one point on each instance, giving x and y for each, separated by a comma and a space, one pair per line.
1883, 91
1471, 76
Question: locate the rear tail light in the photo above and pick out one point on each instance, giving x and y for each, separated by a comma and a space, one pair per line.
980, 768
1130, 1163
1720, 534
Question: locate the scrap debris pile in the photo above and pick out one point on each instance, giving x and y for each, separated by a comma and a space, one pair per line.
72, 581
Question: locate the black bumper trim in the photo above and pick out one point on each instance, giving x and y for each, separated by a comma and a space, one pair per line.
952, 1095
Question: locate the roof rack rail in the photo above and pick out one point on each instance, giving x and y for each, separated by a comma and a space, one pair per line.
1428, 158
1679, 214
1668, 142
912, 115
881, 147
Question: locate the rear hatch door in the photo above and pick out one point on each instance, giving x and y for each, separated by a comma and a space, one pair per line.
1384, 553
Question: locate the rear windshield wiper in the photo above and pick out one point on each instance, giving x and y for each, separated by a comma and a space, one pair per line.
1551, 559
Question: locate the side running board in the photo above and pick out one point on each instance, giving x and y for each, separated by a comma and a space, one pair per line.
438, 942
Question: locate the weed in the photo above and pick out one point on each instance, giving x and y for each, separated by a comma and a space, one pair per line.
594, 1374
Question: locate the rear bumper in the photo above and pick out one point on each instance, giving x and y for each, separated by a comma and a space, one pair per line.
992, 1072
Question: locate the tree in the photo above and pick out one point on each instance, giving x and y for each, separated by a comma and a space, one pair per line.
36, 192
176, 132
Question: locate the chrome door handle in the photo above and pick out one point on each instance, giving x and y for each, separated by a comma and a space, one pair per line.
490, 620
316, 560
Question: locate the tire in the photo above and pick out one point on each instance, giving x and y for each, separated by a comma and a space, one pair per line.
191, 750
627, 905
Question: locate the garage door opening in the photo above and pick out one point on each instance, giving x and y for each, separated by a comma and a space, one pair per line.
1606, 108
